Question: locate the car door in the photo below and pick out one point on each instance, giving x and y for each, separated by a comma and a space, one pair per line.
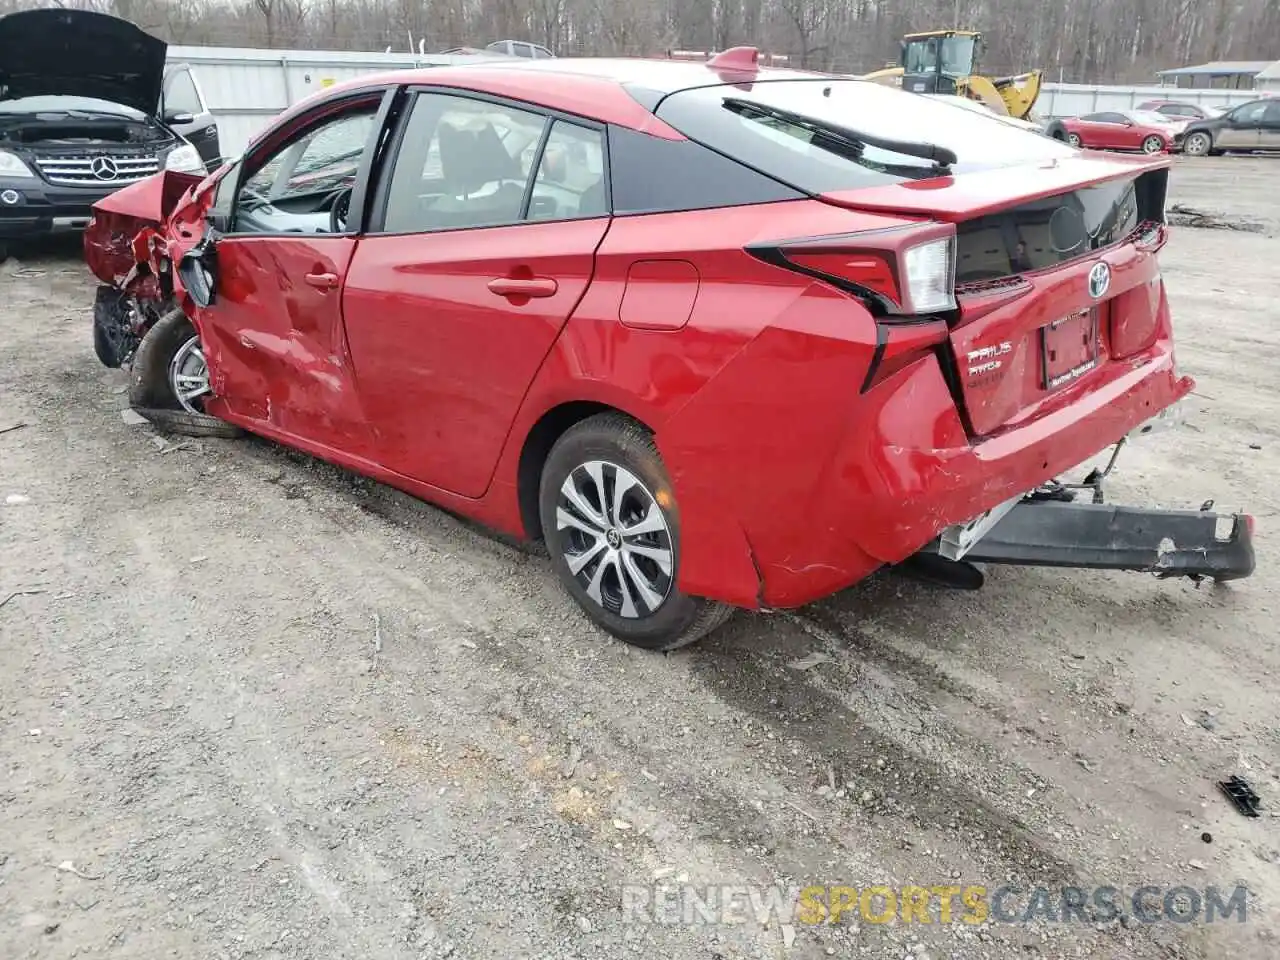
185, 111
1101, 130
274, 334
1241, 128
481, 244
1125, 133
1269, 132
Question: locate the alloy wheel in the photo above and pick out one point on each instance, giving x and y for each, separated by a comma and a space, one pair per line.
1197, 145
1152, 145
189, 376
615, 539
1074, 140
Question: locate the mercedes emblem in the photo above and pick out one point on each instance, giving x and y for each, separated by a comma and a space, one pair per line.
104, 168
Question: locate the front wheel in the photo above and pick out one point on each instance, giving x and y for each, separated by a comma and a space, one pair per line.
1198, 145
169, 380
1152, 144
1074, 140
612, 529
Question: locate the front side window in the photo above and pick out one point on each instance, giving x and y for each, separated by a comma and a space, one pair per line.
304, 185
468, 163
181, 95
1250, 113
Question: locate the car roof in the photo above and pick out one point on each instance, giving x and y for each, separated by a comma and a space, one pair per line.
619, 90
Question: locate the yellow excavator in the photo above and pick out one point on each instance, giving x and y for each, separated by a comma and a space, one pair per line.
946, 62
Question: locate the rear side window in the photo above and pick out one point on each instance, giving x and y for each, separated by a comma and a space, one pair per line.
655, 175
462, 163
789, 153
570, 183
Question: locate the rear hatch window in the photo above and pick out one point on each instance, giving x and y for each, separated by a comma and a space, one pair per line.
786, 152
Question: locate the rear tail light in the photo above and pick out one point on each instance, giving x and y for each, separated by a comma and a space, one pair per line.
931, 276
904, 272
904, 275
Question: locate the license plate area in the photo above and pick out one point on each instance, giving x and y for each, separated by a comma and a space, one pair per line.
1069, 347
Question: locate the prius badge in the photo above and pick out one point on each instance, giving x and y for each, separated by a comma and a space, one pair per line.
1099, 280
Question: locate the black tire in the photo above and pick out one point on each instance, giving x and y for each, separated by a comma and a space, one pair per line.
186, 424
4, 252
150, 392
1074, 140
617, 439
1152, 144
113, 341
1191, 146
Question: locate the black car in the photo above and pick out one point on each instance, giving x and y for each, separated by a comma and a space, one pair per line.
1251, 126
80, 117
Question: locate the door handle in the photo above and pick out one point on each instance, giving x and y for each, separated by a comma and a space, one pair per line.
322, 281
520, 287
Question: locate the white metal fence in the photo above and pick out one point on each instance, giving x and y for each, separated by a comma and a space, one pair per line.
1074, 99
246, 87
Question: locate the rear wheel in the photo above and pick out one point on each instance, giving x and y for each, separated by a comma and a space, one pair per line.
1199, 144
1152, 144
170, 380
612, 529
1074, 140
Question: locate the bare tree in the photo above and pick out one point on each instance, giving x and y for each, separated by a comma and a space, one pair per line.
1081, 40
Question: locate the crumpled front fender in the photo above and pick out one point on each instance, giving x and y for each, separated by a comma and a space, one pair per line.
118, 221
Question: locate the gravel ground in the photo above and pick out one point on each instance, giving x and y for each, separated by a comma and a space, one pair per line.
260, 707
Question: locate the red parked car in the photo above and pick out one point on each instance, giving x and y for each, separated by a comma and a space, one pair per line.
1115, 130
721, 336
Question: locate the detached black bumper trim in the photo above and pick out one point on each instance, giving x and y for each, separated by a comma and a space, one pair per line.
1168, 543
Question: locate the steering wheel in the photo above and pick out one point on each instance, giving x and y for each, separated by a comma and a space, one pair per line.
339, 209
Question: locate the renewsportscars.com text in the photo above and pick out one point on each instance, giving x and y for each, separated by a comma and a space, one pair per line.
690, 905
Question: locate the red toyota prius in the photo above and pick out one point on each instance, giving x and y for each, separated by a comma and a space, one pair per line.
722, 336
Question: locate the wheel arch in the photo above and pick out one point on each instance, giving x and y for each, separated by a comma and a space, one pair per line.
539, 440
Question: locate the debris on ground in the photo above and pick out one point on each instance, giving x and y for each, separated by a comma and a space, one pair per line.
69, 866
19, 593
12, 427
571, 761
133, 418
1180, 215
812, 660
1240, 793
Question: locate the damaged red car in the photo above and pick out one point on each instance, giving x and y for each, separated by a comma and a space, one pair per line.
721, 336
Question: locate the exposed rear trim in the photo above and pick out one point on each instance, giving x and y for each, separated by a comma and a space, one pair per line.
1168, 543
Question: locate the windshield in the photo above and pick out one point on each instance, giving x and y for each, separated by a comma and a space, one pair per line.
955, 53
58, 104
1150, 117
788, 152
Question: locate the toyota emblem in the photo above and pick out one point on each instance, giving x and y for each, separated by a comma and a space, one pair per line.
1099, 280
104, 168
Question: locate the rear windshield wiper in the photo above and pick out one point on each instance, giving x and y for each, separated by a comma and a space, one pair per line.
845, 140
